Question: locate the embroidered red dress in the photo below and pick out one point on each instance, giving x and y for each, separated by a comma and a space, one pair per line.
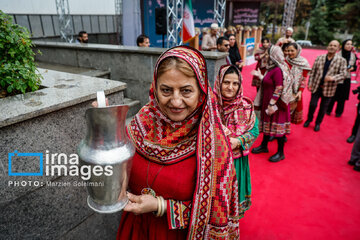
277, 124
299, 68
297, 113
190, 165
175, 181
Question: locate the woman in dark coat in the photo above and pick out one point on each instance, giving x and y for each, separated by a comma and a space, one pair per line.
234, 53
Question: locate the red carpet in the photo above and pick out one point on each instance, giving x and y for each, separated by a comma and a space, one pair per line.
313, 193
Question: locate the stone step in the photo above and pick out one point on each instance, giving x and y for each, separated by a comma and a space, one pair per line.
97, 73
77, 70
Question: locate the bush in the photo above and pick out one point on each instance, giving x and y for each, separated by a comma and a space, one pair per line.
17, 66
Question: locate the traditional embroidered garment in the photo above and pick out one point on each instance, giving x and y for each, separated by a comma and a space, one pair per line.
278, 124
277, 59
277, 85
239, 118
298, 65
214, 207
299, 68
237, 114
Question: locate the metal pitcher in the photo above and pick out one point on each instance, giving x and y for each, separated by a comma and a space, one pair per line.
107, 145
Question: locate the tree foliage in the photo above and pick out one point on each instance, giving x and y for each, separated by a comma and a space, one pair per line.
351, 14
328, 17
267, 14
320, 32
302, 13
17, 66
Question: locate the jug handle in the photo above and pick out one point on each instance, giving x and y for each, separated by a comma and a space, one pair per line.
101, 98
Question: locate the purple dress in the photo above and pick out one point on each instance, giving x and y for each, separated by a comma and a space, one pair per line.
277, 124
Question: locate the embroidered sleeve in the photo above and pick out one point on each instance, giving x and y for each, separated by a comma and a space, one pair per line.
247, 139
277, 92
178, 214
278, 82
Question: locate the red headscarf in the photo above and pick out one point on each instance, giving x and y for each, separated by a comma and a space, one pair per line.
214, 213
238, 113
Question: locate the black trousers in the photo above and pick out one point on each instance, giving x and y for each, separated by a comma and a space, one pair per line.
339, 107
357, 121
313, 105
341, 95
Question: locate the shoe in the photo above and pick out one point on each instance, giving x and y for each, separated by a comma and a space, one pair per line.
272, 138
276, 157
260, 149
337, 115
351, 139
328, 113
307, 123
317, 128
357, 166
351, 162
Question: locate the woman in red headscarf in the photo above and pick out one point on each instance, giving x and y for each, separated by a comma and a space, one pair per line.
238, 116
183, 183
273, 99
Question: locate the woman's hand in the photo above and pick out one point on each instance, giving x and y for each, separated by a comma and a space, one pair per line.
257, 73
139, 204
240, 64
298, 96
95, 103
234, 142
270, 110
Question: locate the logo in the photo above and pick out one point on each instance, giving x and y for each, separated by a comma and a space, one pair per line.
59, 164
16, 153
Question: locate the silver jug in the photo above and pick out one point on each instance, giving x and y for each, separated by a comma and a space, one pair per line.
107, 145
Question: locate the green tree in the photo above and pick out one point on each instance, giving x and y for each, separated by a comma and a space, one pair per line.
334, 14
17, 66
319, 28
351, 14
268, 16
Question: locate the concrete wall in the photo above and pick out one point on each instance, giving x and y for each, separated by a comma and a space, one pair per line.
132, 65
48, 212
47, 26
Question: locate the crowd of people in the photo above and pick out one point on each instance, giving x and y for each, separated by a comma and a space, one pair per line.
190, 177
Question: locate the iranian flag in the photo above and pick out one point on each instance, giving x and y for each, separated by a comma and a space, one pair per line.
188, 31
